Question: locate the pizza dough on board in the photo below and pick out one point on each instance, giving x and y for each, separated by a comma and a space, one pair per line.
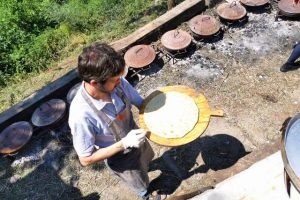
171, 114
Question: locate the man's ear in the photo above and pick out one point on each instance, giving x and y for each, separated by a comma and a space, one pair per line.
93, 83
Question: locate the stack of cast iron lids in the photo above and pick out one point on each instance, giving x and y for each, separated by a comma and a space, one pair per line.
49, 113
204, 26
15, 136
140, 56
176, 40
232, 11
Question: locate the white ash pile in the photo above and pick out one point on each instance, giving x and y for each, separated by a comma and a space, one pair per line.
199, 67
260, 36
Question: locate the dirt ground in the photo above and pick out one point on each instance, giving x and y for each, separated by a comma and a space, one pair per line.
237, 72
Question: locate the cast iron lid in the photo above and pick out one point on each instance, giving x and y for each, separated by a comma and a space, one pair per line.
72, 92
231, 11
289, 7
254, 3
176, 39
13, 137
291, 150
140, 56
204, 25
49, 113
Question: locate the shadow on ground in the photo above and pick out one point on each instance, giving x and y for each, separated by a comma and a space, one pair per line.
41, 178
218, 152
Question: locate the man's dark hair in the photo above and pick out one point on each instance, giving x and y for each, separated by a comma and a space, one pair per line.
99, 62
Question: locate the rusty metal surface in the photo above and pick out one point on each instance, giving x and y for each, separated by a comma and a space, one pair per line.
49, 113
15, 136
288, 7
254, 3
139, 56
290, 150
231, 11
176, 40
204, 25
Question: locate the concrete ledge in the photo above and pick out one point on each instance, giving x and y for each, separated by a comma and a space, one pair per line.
169, 20
23, 110
60, 87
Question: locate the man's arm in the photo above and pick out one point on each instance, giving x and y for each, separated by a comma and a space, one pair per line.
132, 140
102, 154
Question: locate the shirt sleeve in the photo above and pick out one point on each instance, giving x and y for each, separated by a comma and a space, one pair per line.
83, 137
131, 93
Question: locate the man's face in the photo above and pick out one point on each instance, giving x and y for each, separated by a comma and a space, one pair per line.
110, 84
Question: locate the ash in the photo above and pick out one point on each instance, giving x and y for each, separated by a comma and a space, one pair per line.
199, 67
260, 36
29, 157
44, 148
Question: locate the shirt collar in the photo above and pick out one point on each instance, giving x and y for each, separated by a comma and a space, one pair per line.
98, 103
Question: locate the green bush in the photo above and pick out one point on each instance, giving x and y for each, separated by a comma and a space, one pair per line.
35, 33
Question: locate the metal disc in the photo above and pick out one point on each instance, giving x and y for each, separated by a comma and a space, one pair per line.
254, 3
15, 136
288, 7
176, 39
139, 56
231, 11
49, 113
292, 144
204, 25
72, 92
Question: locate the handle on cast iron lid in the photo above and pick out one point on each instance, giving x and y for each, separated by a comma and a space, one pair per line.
176, 33
138, 50
219, 113
205, 18
232, 4
45, 107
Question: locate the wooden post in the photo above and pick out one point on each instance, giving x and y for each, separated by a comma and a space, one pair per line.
171, 4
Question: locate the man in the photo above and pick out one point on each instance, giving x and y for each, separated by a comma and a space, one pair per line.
101, 120
290, 64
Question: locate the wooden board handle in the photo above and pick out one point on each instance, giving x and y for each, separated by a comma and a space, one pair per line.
219, 113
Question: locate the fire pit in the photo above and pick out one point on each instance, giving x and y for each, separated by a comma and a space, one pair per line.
204, 26
177, 44
232, 12
139, 59
176, 40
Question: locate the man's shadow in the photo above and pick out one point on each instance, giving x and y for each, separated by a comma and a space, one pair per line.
43, 180
177, 164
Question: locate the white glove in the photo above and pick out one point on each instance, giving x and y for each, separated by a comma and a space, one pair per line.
134, 138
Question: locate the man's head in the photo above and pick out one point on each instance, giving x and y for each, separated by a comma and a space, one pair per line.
101, 64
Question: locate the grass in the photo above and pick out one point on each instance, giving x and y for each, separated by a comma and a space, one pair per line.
23, 85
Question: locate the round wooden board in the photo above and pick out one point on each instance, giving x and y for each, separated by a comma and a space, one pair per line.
200, 126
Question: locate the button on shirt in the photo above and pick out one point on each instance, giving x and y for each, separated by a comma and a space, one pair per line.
87, 128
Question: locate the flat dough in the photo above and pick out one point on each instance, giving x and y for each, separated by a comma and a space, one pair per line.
171, 114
